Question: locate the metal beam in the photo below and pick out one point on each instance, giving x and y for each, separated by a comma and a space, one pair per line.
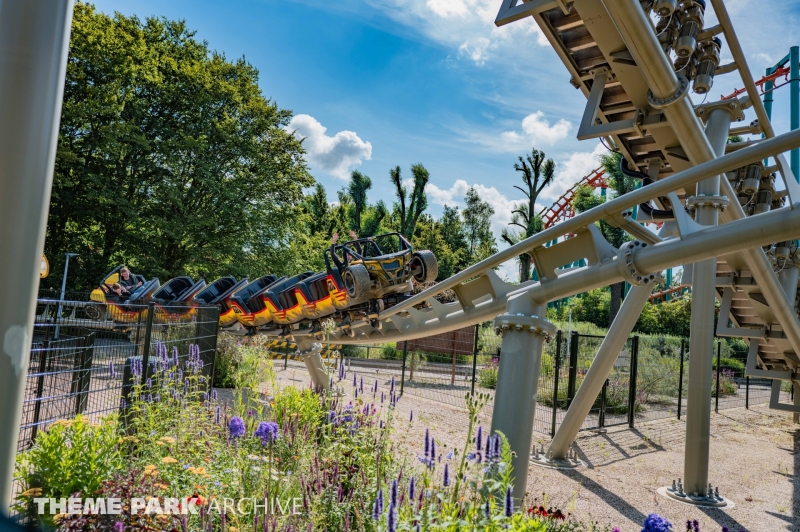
34, 39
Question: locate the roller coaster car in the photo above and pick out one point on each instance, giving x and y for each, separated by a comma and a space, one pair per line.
281, 299
173, 301
219, 293
248, 307
120, 309
369, 269
315, 298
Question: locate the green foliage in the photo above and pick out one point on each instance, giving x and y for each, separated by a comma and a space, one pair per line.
487, 375
243, 363
170, 159
537, 173
409, 215
477, 227
67, 457
304, 405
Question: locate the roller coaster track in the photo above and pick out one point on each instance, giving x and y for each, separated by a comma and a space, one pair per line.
673, 293
673, 149
562, 209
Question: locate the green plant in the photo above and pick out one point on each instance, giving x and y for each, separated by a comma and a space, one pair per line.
225, 361
487, 375
303, 405
70, 456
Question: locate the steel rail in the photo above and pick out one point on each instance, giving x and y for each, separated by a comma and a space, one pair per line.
737, 159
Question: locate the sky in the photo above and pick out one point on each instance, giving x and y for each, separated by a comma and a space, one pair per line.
374, 84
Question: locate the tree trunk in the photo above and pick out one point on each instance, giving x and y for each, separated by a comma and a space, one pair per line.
524, 267
616, 300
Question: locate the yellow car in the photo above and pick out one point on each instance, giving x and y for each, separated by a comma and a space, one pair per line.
120, 309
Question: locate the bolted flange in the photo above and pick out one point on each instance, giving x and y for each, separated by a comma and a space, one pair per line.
717, 202
661, 103
627, 265
524, 323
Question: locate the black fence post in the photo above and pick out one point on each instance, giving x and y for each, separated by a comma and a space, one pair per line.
573, 367
680, 378
403, 371
148, 331
557, 370
367, 352
84, 368
632, 382
45, 349
747, 391
716, 399
474, 358
603, 404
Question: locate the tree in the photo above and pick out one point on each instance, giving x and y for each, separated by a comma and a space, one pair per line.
419, 200
429, 235
537, 173
357, 190
318, 209
585, 199
170, 158
477, 228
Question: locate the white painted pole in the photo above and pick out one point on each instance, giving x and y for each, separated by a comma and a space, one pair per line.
34, 39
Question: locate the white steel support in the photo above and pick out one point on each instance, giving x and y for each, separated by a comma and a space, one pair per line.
524, 330
701, 336
601, 367
637, 31
34, 39
310, 352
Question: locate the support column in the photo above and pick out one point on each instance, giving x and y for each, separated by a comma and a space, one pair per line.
599, 371
701, 338
310, 351
788, 278
794, 88
524, 329
34, 39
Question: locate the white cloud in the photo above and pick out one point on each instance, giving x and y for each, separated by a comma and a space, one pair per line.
467, 25
570, 170
454, 197
536, 129
335, 155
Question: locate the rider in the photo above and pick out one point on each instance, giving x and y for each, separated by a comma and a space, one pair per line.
127, 280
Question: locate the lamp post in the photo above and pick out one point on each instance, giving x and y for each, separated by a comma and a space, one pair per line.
63, 289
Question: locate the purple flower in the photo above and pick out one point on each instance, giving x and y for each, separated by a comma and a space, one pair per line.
382, 397
113, 373
487, 510
393, 494
391, 519
149, 382
267, 431
377, 507
509, 506
119, 526
174, 355
479, 437
217, 419
446, 476
411, 416
361, 385
696, 525
236, 427
355, 379
214, 394
412, 486
391, 387
615, 529
656, 523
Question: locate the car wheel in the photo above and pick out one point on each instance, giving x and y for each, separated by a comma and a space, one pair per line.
424, 266
356, 281
94, 312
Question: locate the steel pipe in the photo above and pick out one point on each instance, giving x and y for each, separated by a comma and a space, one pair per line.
680, 180
774, 226
34, 39
517, 386
599, 371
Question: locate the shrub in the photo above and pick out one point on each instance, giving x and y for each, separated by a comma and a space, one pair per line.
727, 386
734, 365
487, 375
70, 456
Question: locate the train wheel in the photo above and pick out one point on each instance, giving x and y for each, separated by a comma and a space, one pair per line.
356, 281
424, 266
94, 312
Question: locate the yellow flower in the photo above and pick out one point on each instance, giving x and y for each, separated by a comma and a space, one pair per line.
134, 439
168, 460
59, 517
33, 492
167, 439
161, 486
60, 422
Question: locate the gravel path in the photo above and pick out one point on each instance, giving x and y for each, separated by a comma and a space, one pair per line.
754, 454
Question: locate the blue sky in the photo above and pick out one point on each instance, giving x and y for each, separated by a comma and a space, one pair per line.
379, 83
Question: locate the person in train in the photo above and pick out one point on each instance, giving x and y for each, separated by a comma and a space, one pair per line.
127, 280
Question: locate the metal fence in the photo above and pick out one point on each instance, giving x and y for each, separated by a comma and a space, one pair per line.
78, 358
648, 380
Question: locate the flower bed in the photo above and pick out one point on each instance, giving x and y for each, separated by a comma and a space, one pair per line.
178, 459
